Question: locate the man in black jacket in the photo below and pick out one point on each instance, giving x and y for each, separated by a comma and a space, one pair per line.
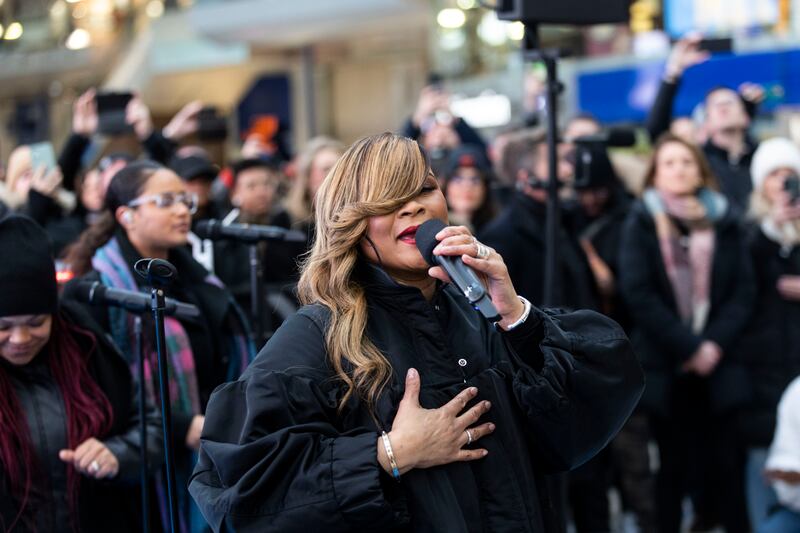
518, 234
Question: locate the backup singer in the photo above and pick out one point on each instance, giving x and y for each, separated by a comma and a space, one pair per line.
387, 403
69, 424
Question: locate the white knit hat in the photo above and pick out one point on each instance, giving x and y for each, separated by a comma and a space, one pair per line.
771, 155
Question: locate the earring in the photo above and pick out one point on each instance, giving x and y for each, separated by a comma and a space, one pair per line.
127, 217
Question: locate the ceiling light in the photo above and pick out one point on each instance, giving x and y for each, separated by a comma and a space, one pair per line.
154, 9
79, 39
13, 32
451, 18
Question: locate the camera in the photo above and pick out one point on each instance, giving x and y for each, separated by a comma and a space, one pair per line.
792, 186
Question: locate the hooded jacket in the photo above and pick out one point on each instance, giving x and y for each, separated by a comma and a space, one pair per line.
278, 455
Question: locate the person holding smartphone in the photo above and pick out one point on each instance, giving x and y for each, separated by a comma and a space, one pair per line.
771, 344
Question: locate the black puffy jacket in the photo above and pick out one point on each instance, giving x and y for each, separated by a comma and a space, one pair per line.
276, 455
770, 345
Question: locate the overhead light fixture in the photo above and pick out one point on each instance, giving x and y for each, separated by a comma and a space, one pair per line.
78, 39
13, 32
516, 31
154, 9
73, 1
467, 4
59, 9
451, 18
491, 30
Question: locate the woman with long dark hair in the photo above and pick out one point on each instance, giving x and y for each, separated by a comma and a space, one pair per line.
388, 403
148, 214
686, 280
69, 430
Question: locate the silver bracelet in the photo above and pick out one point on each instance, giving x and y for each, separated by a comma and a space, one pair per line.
524, 316
387, 445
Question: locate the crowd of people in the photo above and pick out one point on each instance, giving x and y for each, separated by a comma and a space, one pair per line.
696, 257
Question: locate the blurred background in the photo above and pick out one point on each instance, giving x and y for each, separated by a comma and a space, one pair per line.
353, 67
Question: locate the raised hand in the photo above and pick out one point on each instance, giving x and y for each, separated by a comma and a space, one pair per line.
184, 123
489, 265
685, 53
84, 114
137, 114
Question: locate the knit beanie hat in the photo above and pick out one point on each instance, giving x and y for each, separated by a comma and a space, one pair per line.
27, 272
771, 155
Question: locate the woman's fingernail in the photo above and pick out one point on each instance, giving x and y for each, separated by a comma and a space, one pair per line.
473, 390
412, 373
488, 405
485, 453
491, 427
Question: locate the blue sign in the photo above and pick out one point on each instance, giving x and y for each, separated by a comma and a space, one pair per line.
626, 94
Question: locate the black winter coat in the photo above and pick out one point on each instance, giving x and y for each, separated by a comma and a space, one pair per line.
770, 345
733, 175
276, 455
518, 235
661, 340
110, 505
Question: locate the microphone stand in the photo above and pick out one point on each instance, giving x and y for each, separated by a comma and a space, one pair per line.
257, 297
159, 274
533, 52
139, 349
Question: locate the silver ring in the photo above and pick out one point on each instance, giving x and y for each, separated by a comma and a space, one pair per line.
469, 436
94, 467
483, 250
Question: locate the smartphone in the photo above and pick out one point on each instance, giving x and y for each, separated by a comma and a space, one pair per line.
211, 126
435, 81
43, 155
792, 186
111, 112
717, 46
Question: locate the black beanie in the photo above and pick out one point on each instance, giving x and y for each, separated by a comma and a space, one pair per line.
27, 272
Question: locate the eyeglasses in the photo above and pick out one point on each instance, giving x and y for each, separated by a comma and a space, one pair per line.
166, 200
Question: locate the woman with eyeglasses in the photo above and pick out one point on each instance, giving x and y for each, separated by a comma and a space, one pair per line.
148, 214
388, 403
467, 189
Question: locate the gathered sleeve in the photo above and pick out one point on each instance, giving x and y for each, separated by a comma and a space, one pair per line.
271, 456
576, 387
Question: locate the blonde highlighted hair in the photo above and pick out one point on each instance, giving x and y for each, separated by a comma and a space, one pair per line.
375, 176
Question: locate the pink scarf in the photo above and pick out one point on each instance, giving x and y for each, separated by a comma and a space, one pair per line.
688, 259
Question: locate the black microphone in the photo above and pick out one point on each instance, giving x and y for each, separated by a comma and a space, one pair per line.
617, 137
96, 293
215, 230
462, 276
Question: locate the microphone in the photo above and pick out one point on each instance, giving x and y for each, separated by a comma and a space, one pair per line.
96, 293
462, 276
215, 230
618, 137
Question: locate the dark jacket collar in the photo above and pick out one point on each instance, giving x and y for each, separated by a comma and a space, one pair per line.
712, 149
189, 270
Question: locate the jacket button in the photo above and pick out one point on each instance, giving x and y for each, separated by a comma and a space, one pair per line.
462, 362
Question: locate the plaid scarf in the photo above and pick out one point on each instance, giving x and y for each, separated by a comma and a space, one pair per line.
183, 388
688, 259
